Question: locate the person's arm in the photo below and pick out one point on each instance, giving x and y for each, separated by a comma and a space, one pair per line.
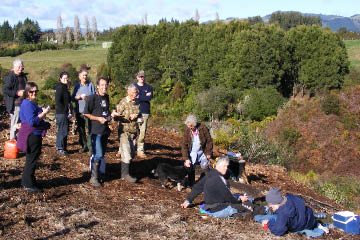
146, 97
209, 142
8, 88
278, 227
32, 114
73, 96
195, 191
88, 109
59, 95
185, 145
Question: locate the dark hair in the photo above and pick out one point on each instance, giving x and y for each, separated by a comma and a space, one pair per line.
63, 74
102, 78
83, 70
28, 87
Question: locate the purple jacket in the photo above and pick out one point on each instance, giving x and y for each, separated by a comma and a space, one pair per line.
24, 132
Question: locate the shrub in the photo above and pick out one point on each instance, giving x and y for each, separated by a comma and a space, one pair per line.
46, 98
330, 104
261, 103
55, 73
214, 102
290, 136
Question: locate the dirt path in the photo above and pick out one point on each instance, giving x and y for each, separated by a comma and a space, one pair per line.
69, 208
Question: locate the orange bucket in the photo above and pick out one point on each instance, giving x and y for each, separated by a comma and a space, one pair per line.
10, 150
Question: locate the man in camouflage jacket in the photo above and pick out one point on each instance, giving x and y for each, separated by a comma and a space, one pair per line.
128, 114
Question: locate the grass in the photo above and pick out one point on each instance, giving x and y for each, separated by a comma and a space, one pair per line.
353, 48
37, 64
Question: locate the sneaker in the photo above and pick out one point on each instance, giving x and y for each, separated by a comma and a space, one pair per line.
62, 152
325, 229
32, 189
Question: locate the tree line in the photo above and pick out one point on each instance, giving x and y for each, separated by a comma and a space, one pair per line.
212, 68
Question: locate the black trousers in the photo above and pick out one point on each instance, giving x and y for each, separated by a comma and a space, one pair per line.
84, 130
33, 152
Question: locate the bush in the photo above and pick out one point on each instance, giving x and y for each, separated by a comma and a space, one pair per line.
289, 136
213, 103
261, 103
55, 73
330, 104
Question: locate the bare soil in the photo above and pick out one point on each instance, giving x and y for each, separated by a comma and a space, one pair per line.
70, 208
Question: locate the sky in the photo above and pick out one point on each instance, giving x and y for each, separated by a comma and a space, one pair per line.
114, 13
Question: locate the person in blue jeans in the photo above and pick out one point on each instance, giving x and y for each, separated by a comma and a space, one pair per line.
63, 110
291, 215
219, 200
97, 111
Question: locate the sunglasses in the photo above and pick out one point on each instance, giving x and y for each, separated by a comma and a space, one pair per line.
36, 91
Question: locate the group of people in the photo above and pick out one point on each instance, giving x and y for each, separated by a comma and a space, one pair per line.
92, 114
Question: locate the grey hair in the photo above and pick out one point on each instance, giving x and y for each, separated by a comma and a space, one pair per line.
191, 119
17, 62
131, 86
222, 160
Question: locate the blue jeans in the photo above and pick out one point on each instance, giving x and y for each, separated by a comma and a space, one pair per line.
310, 233
62, 123
99, 142
225, 213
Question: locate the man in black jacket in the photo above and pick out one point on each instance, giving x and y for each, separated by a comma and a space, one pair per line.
220, 201
13, 90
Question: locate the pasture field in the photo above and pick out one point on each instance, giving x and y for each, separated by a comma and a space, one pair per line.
353, 48
38, 64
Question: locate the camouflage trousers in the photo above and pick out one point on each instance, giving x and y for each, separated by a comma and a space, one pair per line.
142, 127
127, 146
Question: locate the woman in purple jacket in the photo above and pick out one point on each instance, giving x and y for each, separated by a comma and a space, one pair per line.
30, 135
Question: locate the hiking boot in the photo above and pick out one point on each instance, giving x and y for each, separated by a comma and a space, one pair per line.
62, 152
141, 155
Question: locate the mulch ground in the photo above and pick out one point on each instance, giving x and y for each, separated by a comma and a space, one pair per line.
70, 208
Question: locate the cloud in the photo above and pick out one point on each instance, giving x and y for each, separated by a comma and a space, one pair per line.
10, 3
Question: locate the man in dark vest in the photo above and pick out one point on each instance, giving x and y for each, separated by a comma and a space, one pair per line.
13, 90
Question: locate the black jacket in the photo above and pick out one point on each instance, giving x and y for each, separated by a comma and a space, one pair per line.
10, 89
62, 99
216, 192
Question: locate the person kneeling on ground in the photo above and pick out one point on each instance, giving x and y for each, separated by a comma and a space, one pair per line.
291, 215
220, 201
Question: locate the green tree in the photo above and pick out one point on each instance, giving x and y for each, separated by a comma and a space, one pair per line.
319, 58
28, 32
6, 32
288, 20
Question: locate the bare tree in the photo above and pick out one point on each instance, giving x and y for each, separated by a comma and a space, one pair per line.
87, 29
59, 31
217, 18
197, 16
145, 19
68, 35
94, 30
76, 29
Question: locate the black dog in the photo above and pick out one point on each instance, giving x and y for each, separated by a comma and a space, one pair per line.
175, 174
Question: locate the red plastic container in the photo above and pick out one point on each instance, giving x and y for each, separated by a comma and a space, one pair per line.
10, 149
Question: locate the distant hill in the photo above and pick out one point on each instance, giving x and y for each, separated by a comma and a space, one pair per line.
334, 22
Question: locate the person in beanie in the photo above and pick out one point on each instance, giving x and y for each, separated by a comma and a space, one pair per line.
143, 99
128, 114
291, 215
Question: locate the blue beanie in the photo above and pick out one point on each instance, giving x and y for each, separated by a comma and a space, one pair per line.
274, 196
